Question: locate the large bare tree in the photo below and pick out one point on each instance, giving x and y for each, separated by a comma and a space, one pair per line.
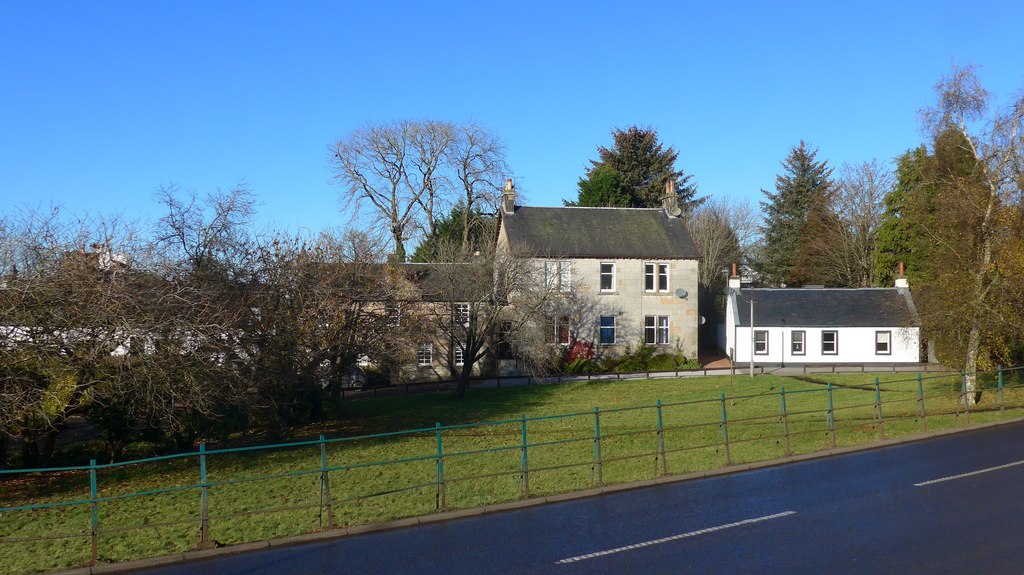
412, 173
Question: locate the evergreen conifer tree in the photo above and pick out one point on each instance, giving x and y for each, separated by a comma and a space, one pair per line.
643, 167
786, 212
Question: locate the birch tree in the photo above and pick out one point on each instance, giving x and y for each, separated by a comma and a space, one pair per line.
971, 297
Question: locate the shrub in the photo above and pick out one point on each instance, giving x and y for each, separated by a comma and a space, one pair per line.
582, 366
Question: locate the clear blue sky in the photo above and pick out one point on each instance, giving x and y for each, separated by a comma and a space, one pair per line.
103, 102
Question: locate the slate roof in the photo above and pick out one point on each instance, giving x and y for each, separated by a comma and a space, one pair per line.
827, 307
435, 281
599, 233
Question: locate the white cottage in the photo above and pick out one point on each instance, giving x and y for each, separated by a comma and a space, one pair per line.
817, 325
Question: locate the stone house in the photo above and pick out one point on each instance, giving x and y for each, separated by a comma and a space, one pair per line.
625, 275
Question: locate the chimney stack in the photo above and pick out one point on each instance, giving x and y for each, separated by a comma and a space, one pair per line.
901, 277
670, 201
734, 277
508, 197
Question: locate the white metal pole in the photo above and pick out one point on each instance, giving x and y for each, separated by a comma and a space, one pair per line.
751, 335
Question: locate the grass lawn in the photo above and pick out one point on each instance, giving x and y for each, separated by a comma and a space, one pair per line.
277, 492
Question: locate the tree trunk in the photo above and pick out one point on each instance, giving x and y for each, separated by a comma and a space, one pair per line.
464, 375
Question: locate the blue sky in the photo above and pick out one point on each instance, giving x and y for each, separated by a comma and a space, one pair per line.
103, 102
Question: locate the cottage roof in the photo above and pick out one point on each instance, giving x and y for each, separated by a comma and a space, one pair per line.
599, 233
827, 307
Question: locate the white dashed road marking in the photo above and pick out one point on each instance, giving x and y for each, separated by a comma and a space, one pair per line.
674, 538
970, 473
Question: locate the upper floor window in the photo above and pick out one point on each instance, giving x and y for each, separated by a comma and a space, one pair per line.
558, 275
460, 314
656, 276
607, 276
829, 342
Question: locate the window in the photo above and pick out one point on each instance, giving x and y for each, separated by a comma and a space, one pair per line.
656, 329
607, 277
607, 329
883, 341
562, 330
829, 342
558, 275
425, 355
505, 341
460, 314
393, 312
655, 276
760, 342
458, 355
796, 346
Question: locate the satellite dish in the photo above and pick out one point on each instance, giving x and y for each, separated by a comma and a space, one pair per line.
675, 211
681, 293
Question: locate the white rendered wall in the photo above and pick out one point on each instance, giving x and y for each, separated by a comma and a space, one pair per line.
855, 345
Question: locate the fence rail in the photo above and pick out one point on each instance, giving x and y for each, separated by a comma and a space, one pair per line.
349, 480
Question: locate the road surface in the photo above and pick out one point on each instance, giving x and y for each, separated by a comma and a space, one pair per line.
946, 505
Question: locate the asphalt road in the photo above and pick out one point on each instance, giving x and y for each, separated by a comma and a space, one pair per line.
858, 513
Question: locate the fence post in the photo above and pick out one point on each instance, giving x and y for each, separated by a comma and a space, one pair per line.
661, 443
725, 431
999, 390
831, 415
878, 409
440, 502
524, 463
94, 516
785, 421
204, 518
920, 403
964, 400
325, 486
597, 447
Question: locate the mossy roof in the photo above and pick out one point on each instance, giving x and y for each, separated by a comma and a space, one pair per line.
643, 233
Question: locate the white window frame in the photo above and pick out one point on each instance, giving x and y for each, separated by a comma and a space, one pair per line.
760, 349
460, 314
425, 355
885, 335
656, 277
656, 329
801, 342
610, 275
558, 275
602, 327
458, 355
834, 342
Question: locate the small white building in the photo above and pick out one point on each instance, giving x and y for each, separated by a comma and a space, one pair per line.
817, 325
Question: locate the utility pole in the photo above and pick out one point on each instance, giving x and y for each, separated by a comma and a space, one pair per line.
751, 334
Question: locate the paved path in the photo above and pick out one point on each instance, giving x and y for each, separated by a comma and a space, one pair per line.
946, 505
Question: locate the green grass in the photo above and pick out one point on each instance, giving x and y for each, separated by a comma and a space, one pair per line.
482, 463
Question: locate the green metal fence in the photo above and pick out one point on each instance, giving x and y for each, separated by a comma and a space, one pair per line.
66, 516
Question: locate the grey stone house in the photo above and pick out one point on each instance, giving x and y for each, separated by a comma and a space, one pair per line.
628, 275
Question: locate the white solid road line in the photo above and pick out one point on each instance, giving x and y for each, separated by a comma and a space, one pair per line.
970, 473
674, 537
